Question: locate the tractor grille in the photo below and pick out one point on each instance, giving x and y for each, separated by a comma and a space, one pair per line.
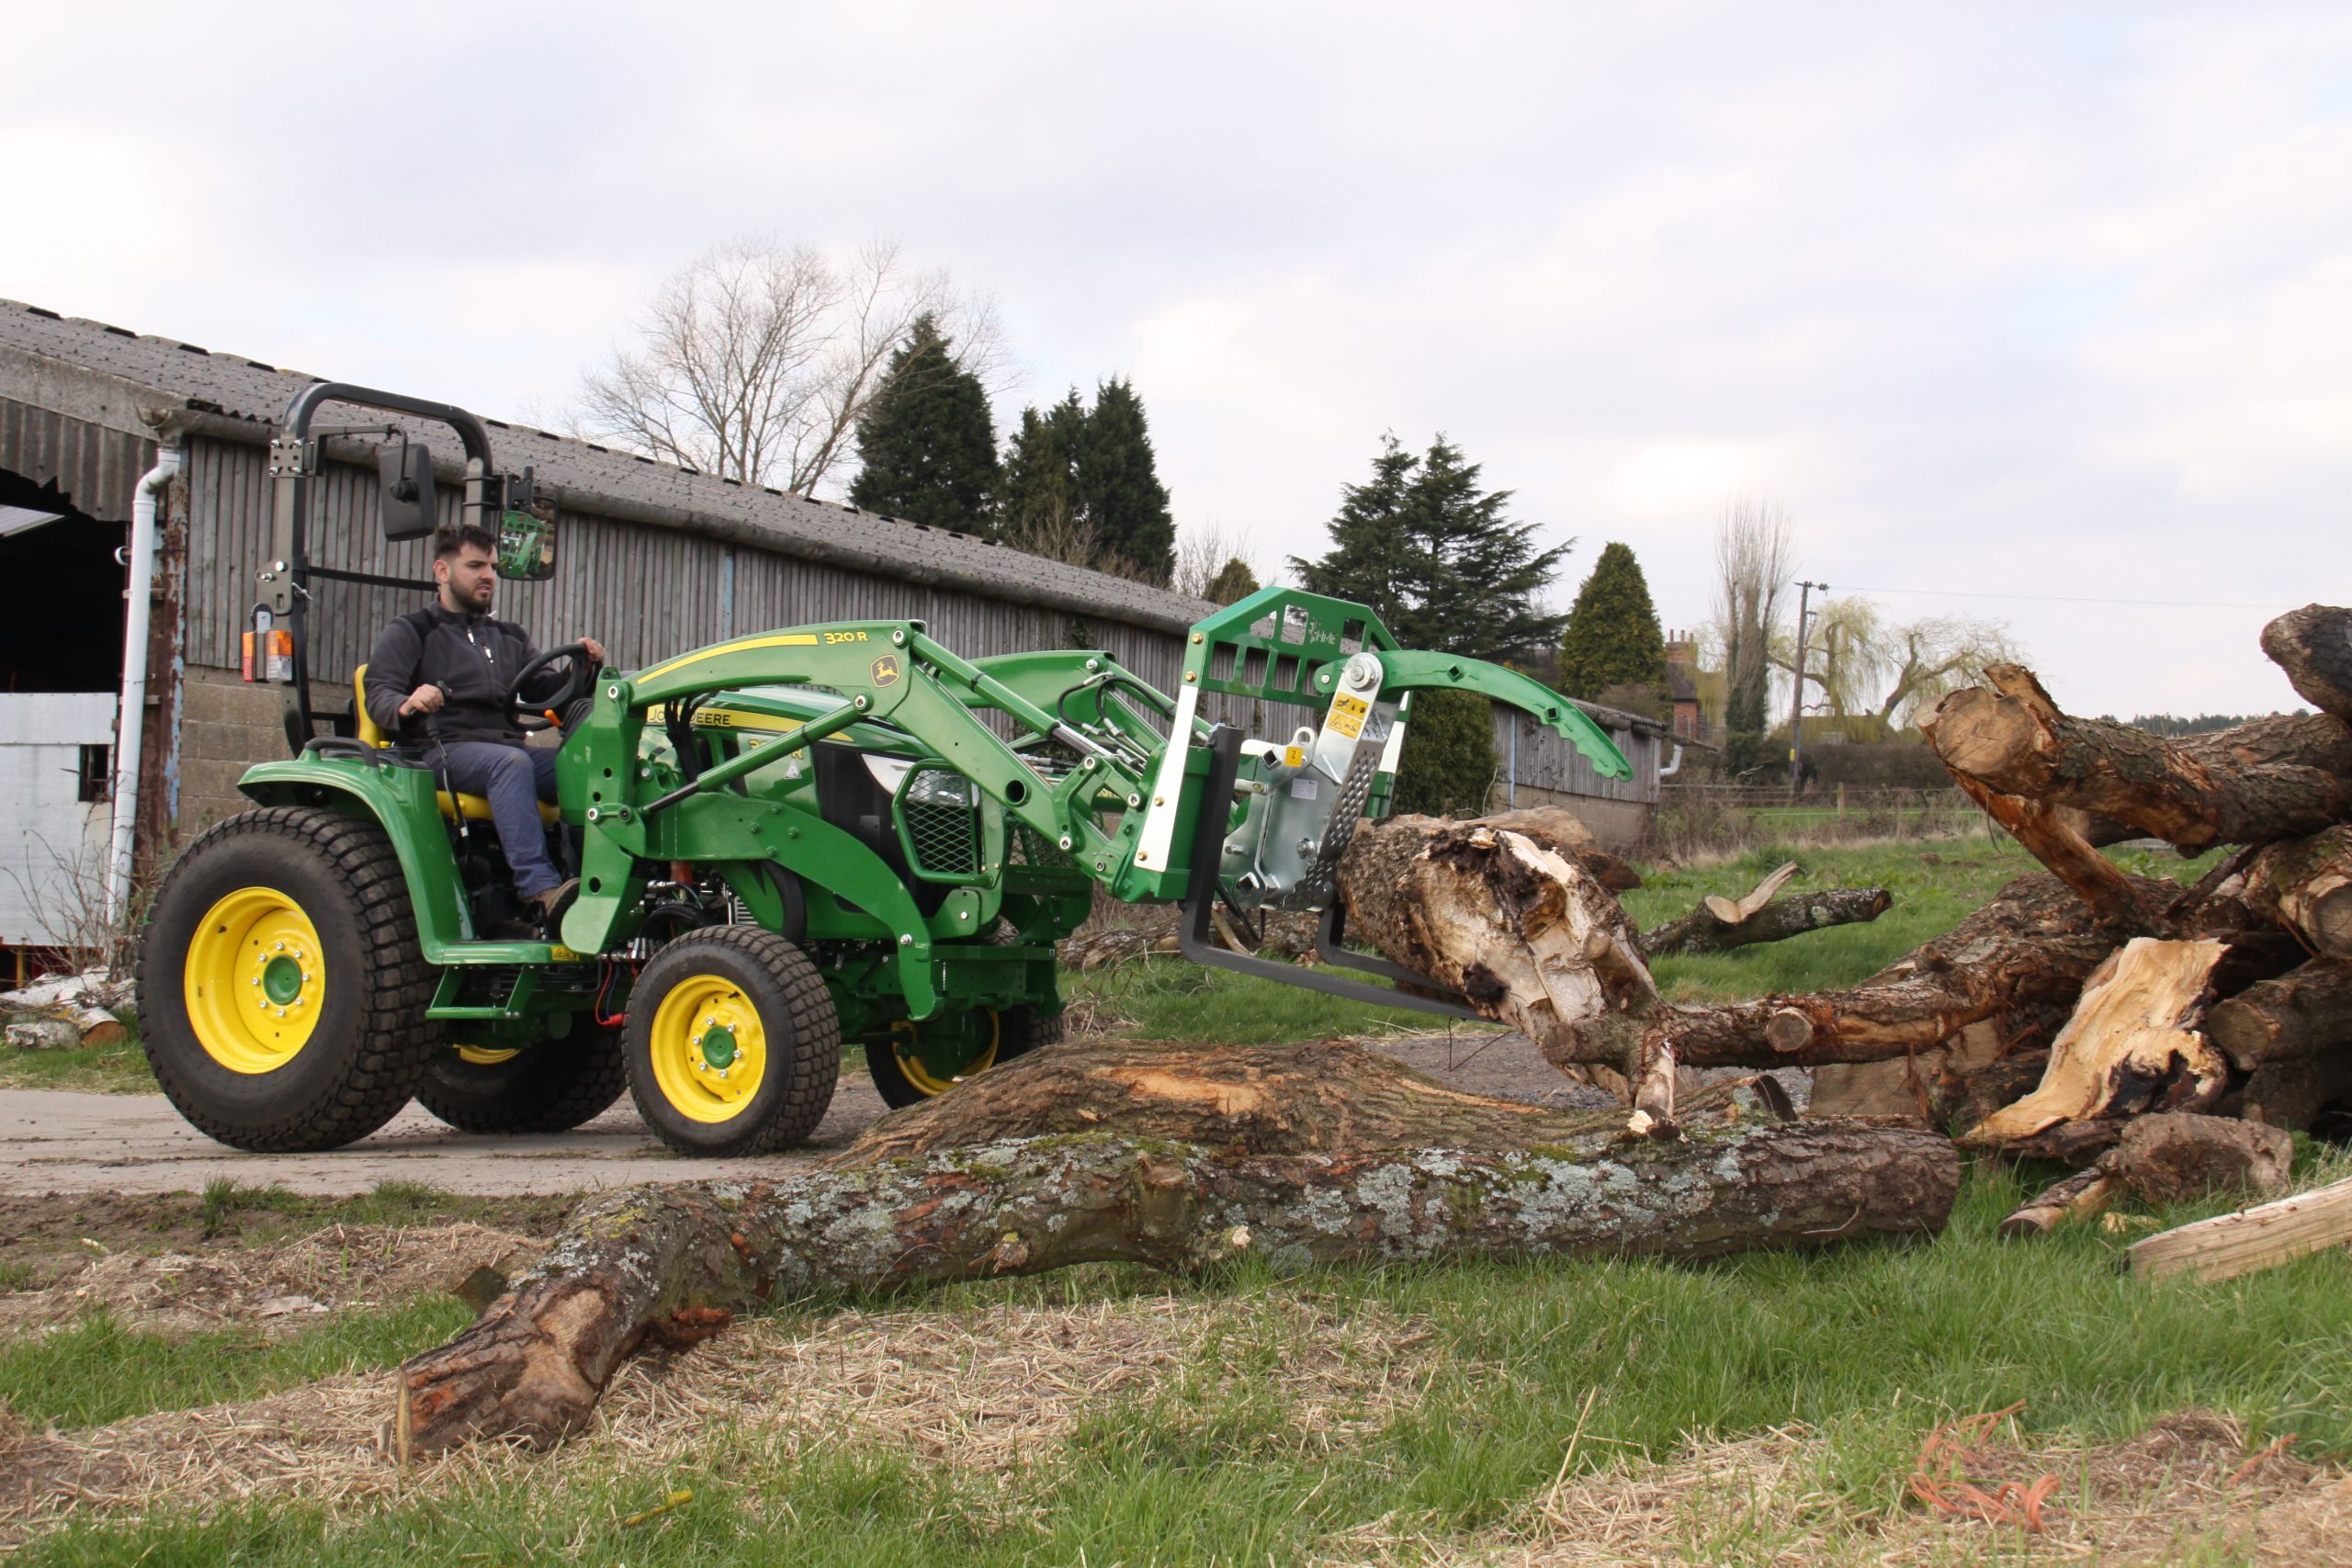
943, 817
1029, 847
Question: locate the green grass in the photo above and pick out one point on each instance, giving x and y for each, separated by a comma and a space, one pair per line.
118, 1069
1868, 1345
1171, 998
98, 1371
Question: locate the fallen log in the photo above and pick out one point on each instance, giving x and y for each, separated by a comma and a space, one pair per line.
1562, 830
2291, 1018
2279, 777
1518, 927
2030, 947
2178, 1158
2054, 835
2294, 1094
674, 1262
2129, 1048
1705, 929
2306, 884
2314, 645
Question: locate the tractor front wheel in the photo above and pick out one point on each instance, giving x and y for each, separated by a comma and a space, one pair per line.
921, 1060
282, 993
732, 1042
551, 1087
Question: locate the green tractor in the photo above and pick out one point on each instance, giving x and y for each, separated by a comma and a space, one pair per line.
784, 842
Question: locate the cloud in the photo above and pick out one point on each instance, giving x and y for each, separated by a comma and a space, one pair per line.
2023, 300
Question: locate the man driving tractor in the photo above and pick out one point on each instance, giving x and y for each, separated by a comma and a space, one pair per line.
450, 666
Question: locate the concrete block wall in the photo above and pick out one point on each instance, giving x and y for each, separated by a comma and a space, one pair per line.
226, 726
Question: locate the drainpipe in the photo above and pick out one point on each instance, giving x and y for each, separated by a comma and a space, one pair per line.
1674, 767
130, 717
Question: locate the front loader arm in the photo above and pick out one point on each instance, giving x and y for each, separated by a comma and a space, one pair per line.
637, 812
1407, 671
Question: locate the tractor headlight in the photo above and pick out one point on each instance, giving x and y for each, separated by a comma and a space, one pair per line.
939, 786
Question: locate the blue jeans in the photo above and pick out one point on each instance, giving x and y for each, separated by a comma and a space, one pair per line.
513, 779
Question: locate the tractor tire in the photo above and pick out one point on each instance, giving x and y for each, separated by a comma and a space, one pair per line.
903, 1078
303, 915
552, 1087
732, 1042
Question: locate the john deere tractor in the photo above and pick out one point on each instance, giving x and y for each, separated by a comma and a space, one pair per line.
786, 841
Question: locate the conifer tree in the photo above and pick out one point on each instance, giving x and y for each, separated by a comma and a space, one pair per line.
1448, 766
1037, 498
927, 441
1613, 639
1437, 559
1119, 493
1233, 581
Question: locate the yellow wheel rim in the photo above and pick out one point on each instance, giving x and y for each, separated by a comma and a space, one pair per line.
709, 1048
255, 980
905, 1034
486, 1056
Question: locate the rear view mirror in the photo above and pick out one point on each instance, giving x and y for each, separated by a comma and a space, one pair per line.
410, 510
527, 544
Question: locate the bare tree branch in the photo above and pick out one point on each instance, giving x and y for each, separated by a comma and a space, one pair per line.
754, 362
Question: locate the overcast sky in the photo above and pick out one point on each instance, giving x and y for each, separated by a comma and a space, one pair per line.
2034, 300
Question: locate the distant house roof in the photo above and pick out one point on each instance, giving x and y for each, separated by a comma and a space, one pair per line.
137, 384
1679, 682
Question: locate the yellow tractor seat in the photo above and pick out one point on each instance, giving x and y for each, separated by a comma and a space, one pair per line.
475, 807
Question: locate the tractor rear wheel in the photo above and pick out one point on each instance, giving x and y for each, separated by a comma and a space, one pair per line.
282, 993
551, 1087
732, 1042
920, 1060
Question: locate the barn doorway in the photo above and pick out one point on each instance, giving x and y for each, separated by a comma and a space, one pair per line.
63, 628
60, 673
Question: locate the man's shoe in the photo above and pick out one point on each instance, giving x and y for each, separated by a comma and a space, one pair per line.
553, 903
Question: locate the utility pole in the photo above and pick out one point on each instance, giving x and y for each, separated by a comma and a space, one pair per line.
1796, 701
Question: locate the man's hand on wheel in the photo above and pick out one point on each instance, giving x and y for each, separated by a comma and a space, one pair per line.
424, 699
595, 649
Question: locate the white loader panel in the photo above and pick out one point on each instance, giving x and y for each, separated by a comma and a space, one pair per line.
53, 846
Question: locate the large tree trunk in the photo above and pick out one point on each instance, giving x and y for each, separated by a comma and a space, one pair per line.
1515, 925
2279, 777
2030, 948
672, 1262
2314, 645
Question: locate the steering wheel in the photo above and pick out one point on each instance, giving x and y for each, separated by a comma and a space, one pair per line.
577, 680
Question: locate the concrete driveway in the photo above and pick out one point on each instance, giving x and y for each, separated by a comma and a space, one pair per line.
53, 1141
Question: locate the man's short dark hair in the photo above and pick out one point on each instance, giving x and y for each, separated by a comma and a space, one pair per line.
447, 542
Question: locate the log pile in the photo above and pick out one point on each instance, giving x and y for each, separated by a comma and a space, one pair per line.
65, 1011
2081, 998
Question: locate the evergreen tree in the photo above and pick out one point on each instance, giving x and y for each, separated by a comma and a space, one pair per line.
1037, 499
1614, 637
1448, 766
1119, 493
1370, 558
1437, 559
927, 441
1233, 581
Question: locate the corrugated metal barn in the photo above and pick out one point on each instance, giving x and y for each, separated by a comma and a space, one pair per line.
655, 559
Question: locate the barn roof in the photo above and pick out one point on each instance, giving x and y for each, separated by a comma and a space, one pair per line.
135, 383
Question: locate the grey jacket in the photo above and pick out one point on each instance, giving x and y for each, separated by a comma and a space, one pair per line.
472, 657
